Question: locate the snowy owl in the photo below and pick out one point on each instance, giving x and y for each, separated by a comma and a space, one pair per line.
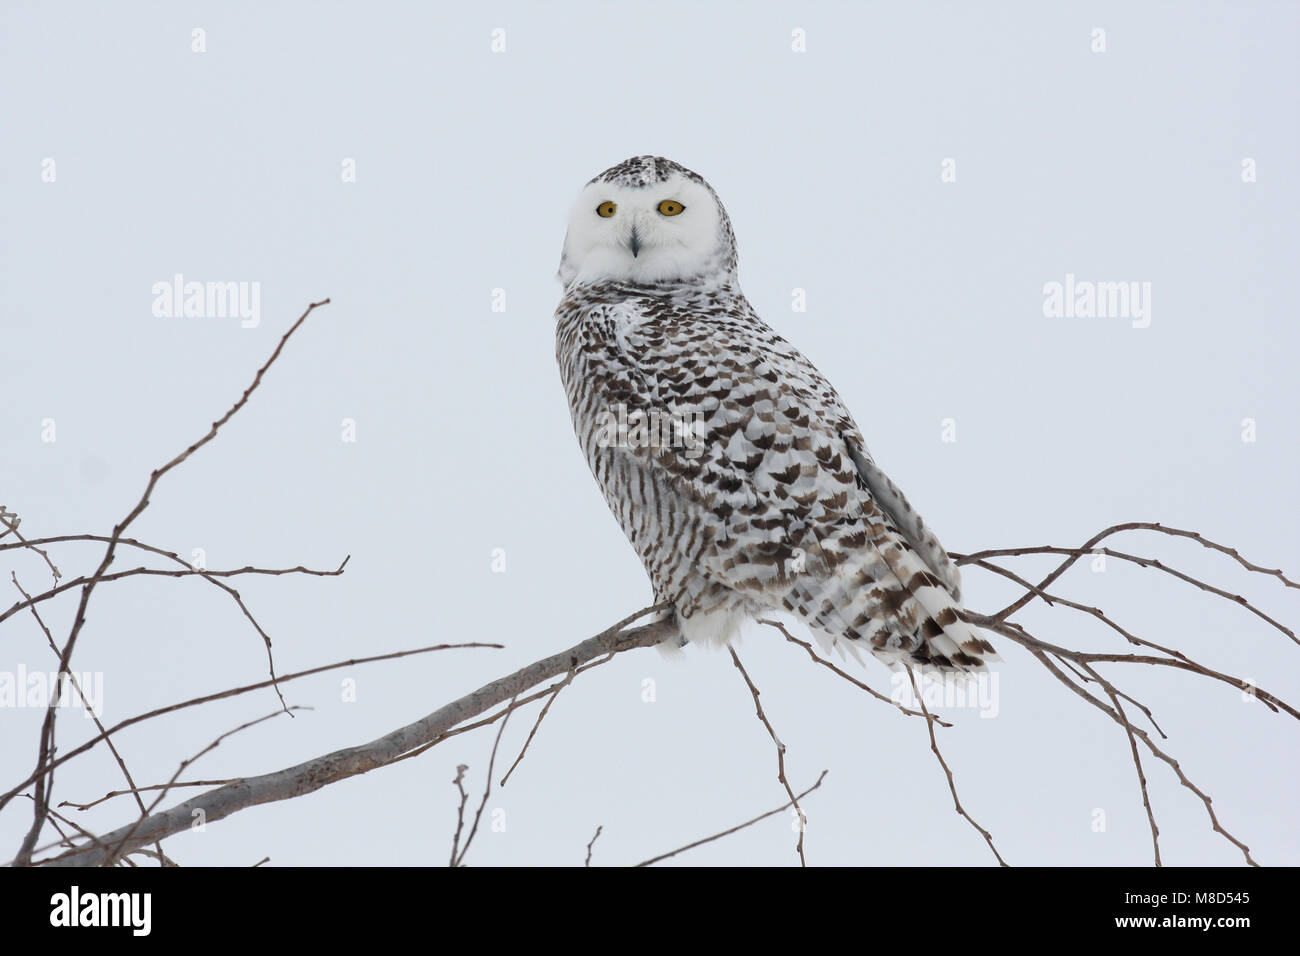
732, 465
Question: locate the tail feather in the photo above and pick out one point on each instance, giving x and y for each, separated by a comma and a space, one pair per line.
885, 599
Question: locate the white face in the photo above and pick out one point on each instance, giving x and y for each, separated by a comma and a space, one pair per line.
662, 231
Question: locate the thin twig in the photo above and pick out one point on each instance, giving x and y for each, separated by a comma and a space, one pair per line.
780, 752
487, 790
166, 573
592, 843
847, 676
540, 717
1137, 760
460, 812
135, 791
9, 521
952, 786
748, 823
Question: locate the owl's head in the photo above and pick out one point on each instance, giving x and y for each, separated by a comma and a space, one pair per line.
648, 220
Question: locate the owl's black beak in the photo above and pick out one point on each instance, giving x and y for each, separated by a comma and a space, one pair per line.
634, 243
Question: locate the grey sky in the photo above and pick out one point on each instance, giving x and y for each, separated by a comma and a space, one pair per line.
924, 304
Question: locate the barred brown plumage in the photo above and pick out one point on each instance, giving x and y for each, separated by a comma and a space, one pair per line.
762, 495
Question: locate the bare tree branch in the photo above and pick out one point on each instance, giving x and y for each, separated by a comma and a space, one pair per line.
144, 814
1141, 526
321, 771
85, 702
1077, 553
1175, 658
65, 657
235, 692
1041, 650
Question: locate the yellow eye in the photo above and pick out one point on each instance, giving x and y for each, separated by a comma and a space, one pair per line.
606, 209
670, 207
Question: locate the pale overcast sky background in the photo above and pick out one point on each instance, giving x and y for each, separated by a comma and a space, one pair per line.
924, 306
